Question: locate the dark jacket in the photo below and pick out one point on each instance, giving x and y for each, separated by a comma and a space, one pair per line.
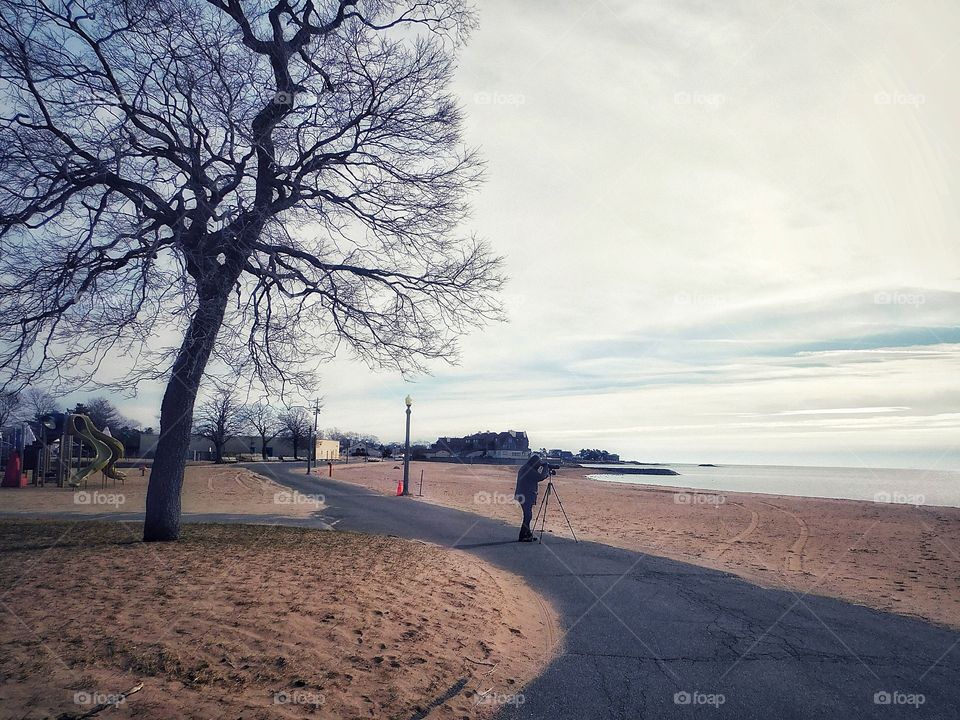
531, 473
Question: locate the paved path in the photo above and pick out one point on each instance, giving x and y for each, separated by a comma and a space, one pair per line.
641, 634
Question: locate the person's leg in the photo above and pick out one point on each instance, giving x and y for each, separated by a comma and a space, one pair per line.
527, 508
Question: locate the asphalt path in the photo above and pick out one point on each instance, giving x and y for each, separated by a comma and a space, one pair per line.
641, 636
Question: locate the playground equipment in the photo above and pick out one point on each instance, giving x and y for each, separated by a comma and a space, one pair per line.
116, 453
60, 457
14, 477
107, 450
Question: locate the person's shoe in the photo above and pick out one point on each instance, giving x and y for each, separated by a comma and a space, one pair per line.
527, 538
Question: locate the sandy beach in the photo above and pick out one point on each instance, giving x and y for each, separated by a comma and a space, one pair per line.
898, 558
226, 489
258, 622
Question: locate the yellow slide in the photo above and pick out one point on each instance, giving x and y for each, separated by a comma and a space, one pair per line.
116, 453
107, 450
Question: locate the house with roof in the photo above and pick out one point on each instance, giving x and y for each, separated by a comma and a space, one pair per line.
510, 445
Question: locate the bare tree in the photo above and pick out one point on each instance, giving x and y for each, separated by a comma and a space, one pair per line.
350, 438
38, 403
250, 173
10, 403
263, 419
103, 414
297, 427
220, 419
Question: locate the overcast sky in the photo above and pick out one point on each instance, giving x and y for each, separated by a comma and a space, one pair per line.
731, 230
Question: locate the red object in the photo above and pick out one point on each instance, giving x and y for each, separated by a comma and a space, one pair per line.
399, 487
14, 477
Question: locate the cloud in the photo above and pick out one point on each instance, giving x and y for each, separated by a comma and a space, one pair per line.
721, 245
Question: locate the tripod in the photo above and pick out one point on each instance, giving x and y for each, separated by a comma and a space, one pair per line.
551, 490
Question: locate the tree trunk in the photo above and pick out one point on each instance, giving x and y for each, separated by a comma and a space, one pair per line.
295, 444
219, 456
263, 447
162, 519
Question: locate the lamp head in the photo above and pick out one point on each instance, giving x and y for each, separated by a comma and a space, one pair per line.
408, 401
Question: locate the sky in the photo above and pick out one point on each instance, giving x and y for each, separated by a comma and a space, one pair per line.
731, 232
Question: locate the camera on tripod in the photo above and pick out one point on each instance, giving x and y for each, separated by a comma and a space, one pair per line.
551, 492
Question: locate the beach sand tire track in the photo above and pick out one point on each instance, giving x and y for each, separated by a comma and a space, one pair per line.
793, 560
550, 631
739, 537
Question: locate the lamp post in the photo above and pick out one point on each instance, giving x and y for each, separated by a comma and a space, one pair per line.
406, 450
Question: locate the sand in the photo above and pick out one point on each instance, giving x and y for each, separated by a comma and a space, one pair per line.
258, 622
226, 489
899, 558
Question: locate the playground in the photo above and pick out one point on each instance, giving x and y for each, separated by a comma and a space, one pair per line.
71, 468
70, 451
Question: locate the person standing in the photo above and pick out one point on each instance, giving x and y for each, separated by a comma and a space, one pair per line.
529, 476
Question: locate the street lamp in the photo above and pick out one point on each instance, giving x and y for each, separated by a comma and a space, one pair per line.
406, 450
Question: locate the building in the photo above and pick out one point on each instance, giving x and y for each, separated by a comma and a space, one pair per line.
560, 456
364, 450
510, 445
328, 449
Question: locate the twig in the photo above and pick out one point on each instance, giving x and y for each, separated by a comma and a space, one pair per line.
104, 705
479, 662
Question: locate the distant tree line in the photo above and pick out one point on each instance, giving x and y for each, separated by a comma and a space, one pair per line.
221, 417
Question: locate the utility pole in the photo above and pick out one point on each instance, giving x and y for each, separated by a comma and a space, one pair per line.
312, 442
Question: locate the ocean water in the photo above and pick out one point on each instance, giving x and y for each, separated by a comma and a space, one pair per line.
912, 487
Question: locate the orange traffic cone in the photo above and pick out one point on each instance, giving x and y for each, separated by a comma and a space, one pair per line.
399, 487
